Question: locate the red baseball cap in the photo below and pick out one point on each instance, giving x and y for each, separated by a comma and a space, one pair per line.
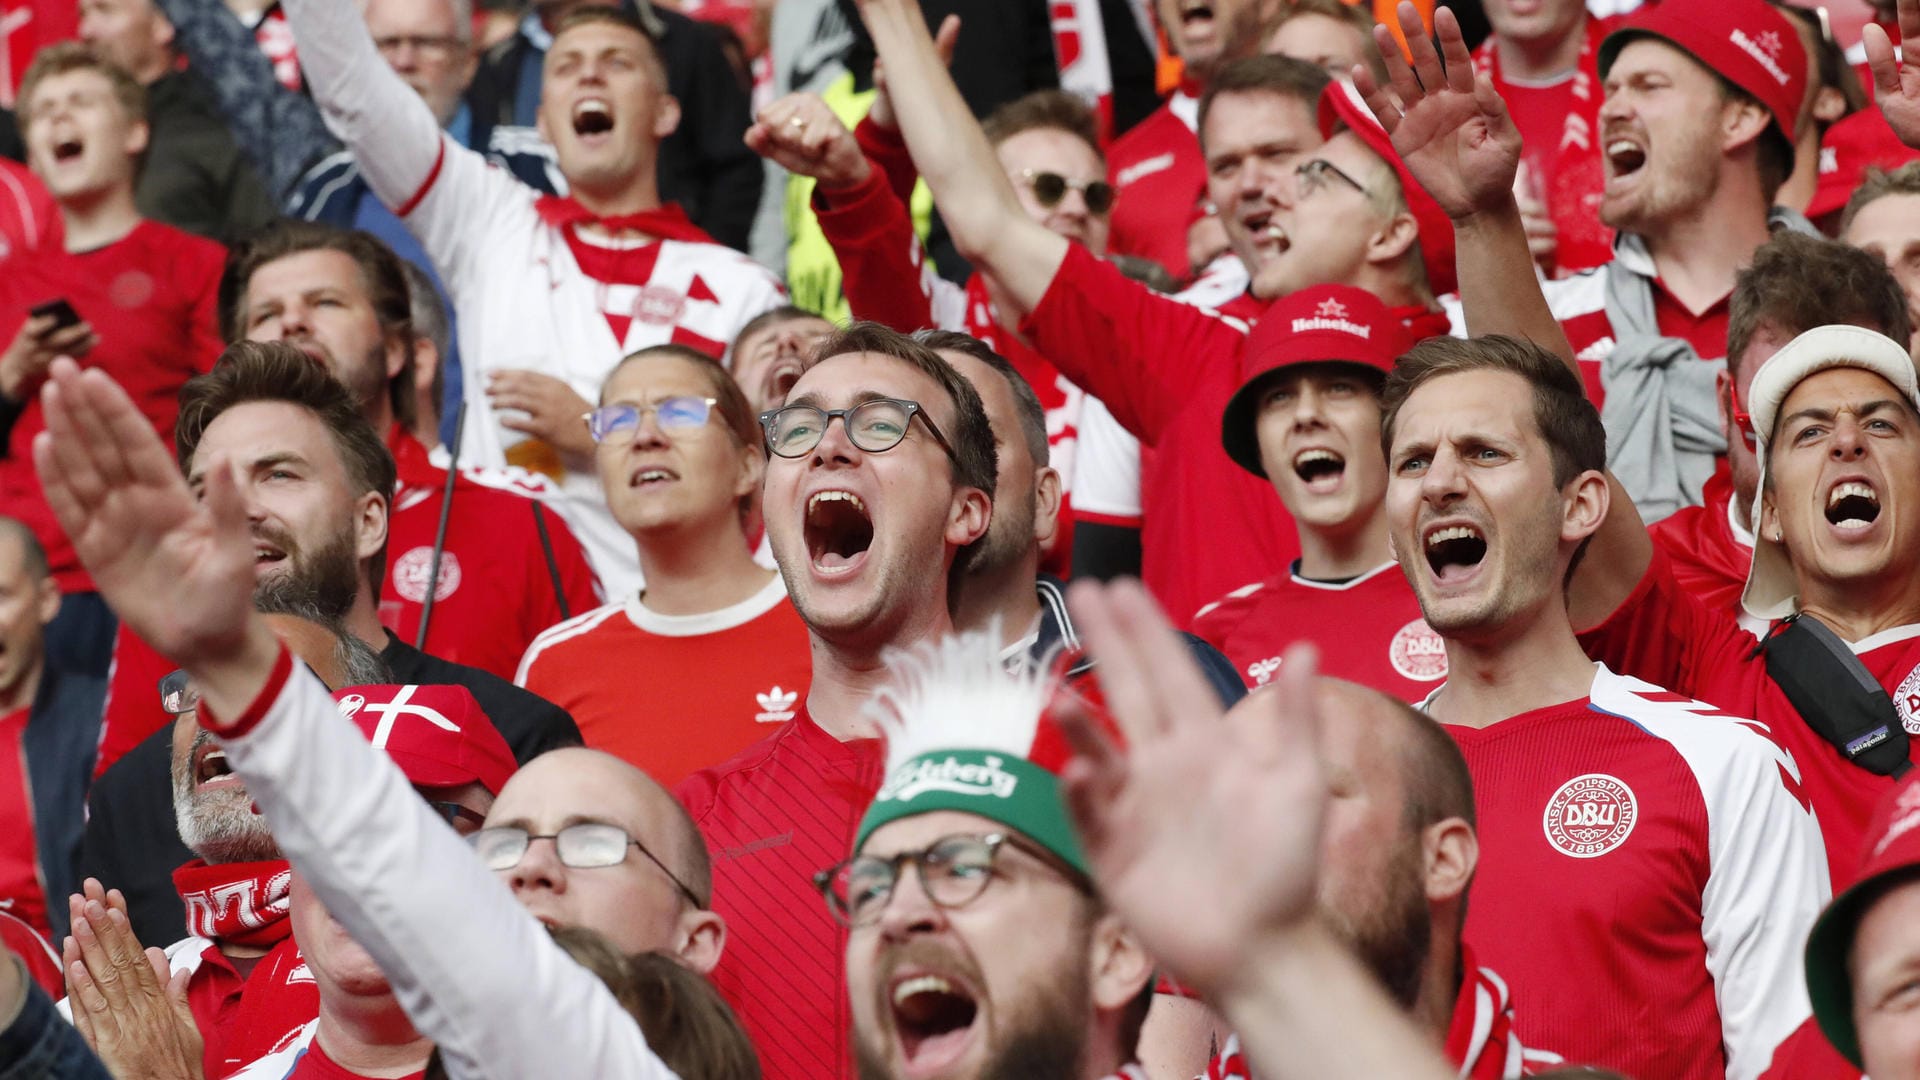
1746, 42
1321, 325
1892, 858
1860, 142
1342, 107
438, 735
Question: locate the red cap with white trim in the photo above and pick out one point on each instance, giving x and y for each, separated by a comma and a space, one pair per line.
438, 735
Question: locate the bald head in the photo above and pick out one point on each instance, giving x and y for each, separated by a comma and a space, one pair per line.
638, 904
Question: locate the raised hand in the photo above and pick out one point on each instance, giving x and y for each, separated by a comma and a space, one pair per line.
178, 572
801, 134
1204, 831
553, 410
127, 1006
1449, 126
1896, 82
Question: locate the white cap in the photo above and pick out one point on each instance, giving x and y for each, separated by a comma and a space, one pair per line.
1772, 592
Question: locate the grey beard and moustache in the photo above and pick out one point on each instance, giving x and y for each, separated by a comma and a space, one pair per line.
1049, 1044
218, 826
320, 586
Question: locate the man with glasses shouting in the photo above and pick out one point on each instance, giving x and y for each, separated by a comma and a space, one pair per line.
877, 495
723, 652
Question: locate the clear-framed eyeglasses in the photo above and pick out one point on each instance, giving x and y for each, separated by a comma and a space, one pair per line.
584, 845
619, 423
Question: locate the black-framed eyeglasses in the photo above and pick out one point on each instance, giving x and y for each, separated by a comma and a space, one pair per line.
954, 871
465, 821
875, 425
1050, 187
178, 694
618, 423
584, 845
1312, 177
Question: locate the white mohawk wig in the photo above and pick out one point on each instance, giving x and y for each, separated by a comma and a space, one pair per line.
959, 692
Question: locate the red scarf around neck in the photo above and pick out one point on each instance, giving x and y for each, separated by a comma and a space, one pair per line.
236, 903
665, 222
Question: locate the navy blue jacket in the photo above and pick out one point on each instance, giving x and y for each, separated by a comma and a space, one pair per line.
63, 731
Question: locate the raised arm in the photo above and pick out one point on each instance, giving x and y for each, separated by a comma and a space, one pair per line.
974, 196
1456, 137
473, 969
1221, 816
280, 131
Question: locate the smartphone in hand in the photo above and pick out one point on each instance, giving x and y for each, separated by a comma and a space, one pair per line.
62, 312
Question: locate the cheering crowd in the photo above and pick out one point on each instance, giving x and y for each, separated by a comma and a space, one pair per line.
910, 539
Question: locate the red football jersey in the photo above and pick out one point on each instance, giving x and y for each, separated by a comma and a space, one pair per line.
783, 809
21, 891
1480, 1039
1664, 632
1159, 178
29, 218
1807, 1055
29, 944
1708, 550
715, 682
1369, 630
496, 590
150, 297
1658, 856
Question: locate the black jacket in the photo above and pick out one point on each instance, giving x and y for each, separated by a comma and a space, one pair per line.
705, 165
63, 730
193, 176
131, 843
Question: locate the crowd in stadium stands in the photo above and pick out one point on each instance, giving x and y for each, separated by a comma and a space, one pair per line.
939, 540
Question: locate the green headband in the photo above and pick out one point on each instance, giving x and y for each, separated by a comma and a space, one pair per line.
991, 783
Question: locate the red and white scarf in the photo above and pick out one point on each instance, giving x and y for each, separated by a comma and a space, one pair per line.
236, 903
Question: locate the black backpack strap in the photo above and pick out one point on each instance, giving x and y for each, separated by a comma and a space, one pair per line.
1836, 695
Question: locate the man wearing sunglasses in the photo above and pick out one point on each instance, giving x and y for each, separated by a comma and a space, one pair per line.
1048, 145
879, 482
723, 652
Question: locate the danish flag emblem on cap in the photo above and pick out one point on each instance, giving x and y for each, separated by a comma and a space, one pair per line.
402, 705
1330, 309
1770, 43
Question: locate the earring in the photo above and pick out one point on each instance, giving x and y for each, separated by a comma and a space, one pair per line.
1777, 536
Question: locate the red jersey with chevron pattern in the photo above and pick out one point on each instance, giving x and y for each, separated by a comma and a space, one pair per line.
1648, 873
1664, 632
783, 809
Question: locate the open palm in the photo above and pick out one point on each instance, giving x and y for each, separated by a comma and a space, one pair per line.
178, 572
1451, 128
1896, 81
1203, 831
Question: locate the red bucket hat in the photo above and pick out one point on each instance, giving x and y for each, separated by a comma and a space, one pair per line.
1341, 107
1324, 324
1892, 858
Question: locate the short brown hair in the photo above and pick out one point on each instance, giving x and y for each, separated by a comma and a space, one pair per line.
619, 16
1045, 110
1281, 75
1879, 183
1567, 420
381, 275
976, 464
736, 412
1797, 282
1033, 415
70, 56
274, 371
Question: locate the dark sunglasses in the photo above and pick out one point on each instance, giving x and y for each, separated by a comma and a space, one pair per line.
1050, 187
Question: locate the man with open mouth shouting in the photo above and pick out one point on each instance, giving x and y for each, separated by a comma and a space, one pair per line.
880, 472
966, 850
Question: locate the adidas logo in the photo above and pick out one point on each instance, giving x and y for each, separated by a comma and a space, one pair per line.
1765, 52
776, 705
